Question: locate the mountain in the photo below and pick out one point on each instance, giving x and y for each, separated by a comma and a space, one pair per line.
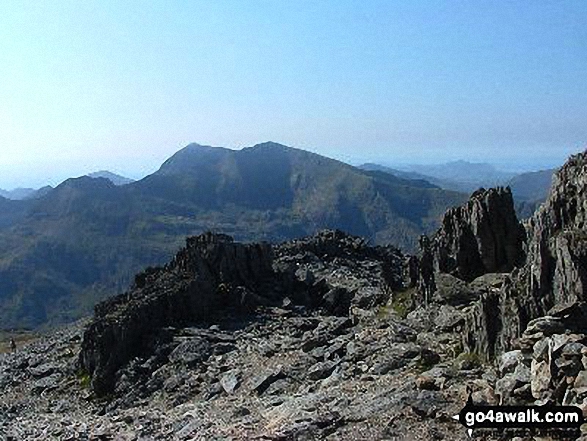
19, 194
459, 176
471, 174
83, 241
530, 190
447, 184
11, 211
532, 186
112, 177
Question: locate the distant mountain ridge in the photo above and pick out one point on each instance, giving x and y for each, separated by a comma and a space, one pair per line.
112, 177
19, 194
529, 189
86, 238
474, 174
457, 175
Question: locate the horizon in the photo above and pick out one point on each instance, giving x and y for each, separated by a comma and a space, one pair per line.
122, 86
396, 165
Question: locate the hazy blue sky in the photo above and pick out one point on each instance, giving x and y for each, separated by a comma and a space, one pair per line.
122, 85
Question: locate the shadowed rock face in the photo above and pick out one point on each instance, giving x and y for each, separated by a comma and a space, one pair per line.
214, 276
555, 270
210, 274
479, 237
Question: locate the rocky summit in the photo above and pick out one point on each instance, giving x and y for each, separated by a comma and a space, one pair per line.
325, 337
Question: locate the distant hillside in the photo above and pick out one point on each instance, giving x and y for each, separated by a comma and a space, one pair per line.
17, 194
112, 177
473, 174
532, 186
447, 184
20, 194
530, 190
85, 239
459, 176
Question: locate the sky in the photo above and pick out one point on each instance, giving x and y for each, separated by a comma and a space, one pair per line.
114, 85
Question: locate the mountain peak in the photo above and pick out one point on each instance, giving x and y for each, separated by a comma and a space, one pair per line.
270, 145
112, 177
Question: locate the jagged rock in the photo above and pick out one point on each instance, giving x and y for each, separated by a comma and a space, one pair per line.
231, 381
191, 352
547, 325
262, 381
560, 340
48, 383
452, 290
573, 350
43, 370
337, 301
542, 349
482, 236
522, 373
505, 387
428, 383
449, 318
321, 370
549, 287
427, 404
398, 355
509, 361
194, 286
540, 378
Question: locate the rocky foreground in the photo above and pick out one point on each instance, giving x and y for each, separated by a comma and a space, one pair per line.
325, 337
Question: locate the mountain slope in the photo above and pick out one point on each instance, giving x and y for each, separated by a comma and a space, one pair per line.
86, 238
471, 174
112, 177
459, 176
447, 184
530, 190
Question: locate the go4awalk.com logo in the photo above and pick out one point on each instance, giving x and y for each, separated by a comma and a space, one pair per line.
523, 418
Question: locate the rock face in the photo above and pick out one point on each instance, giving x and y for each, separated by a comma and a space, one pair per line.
213, 276
479, 237
555, 269
210, 274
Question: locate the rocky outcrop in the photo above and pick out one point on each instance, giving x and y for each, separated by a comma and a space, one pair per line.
482, 236
214, 276
209, 275
555, 269
340, 271
549, 361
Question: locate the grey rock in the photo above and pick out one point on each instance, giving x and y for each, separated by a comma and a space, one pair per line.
262, 381
43, 370
452, 290
191, 352
231, 381
547, 325
396, 356
505, 386
540, 378
321, 370
449, 318
509, 361
48, 383
522, 373
543, 347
